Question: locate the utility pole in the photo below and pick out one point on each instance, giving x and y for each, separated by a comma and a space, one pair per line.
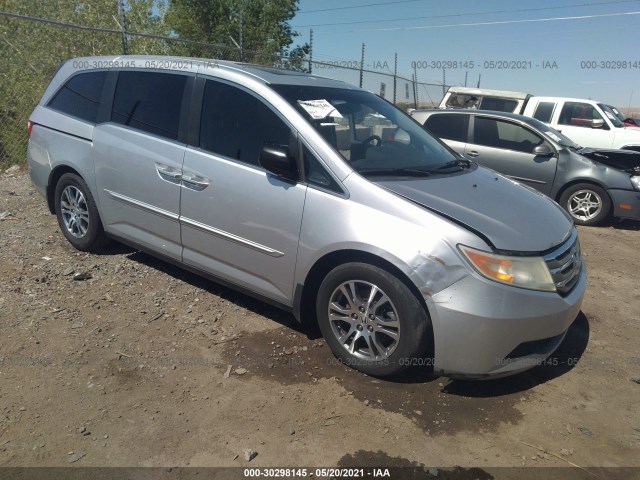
415, 86
444, 81
395, 78
123, 27
311, 51
361, 65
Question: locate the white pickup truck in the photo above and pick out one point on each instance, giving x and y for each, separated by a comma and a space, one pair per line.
586, 122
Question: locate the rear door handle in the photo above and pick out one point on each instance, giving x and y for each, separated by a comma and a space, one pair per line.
195, 182
472, 153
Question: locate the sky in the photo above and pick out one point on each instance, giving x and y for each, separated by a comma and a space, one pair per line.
572, 48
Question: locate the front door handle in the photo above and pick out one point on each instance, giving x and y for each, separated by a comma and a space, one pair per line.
194, 181
168, 173
472, 153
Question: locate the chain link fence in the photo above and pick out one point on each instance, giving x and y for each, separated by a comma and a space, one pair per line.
31, 49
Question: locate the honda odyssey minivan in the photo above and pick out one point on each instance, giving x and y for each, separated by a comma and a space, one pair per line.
277, 184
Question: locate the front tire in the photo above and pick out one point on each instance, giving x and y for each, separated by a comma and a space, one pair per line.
371, 319
587, 204
77, 214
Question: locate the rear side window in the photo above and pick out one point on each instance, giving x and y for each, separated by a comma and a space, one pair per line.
543, 112
150, 102
236, 124
80, 96
498, 104
448, 126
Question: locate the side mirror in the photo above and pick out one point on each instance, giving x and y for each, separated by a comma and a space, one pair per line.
597, 123
543, 150
276, 159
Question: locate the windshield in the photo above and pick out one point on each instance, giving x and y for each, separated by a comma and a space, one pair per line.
372, 135
611, 115
552, 133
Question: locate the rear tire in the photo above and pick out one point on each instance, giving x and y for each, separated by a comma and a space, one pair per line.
371, 319
77, 214
587, 204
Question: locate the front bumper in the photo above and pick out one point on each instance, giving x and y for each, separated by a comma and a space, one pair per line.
626, 203
485, 329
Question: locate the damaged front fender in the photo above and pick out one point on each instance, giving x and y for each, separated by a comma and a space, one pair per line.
438, 270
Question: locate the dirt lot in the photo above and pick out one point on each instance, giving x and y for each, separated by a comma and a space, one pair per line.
144, 364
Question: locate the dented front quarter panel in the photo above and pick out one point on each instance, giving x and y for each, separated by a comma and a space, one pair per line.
420, 243
438, 269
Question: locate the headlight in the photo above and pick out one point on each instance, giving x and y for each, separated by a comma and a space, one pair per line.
523, 272
635, 181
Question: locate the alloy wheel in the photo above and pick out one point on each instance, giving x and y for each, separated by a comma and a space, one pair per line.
364, 320
584, 204
75, 212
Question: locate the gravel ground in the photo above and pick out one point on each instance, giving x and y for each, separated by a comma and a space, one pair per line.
143, 354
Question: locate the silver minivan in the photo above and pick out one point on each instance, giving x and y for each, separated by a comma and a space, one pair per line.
277, 183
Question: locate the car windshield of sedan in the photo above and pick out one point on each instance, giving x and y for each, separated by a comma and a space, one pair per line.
372, 135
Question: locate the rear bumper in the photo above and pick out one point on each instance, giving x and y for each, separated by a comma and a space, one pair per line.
485, 329
626, 203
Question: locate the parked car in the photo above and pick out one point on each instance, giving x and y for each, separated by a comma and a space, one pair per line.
590, 184
628, 121
587, 122
268, 181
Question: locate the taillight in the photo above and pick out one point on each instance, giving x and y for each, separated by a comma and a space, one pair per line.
29, 127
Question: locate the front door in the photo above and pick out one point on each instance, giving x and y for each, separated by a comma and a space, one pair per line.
575, 121
507, 147
240, 222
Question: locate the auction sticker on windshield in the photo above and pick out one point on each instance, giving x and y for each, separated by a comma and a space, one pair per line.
319, 109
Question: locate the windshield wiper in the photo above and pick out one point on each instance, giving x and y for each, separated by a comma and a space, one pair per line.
413, 172
458, 162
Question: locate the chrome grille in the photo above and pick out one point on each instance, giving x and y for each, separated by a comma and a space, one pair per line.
564, 265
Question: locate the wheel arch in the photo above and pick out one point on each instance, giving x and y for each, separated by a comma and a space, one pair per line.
609, 211
577, 181
54, 177
306, 294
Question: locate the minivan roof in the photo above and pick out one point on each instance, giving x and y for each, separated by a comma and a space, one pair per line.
268, 75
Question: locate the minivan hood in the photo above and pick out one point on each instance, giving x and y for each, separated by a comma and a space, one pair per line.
513, 217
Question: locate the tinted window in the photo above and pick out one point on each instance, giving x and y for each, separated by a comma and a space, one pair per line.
498, 104
149, 101
499, 134
316, 174
578, 114
80, 96
448, 126
236, 124
543, 112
